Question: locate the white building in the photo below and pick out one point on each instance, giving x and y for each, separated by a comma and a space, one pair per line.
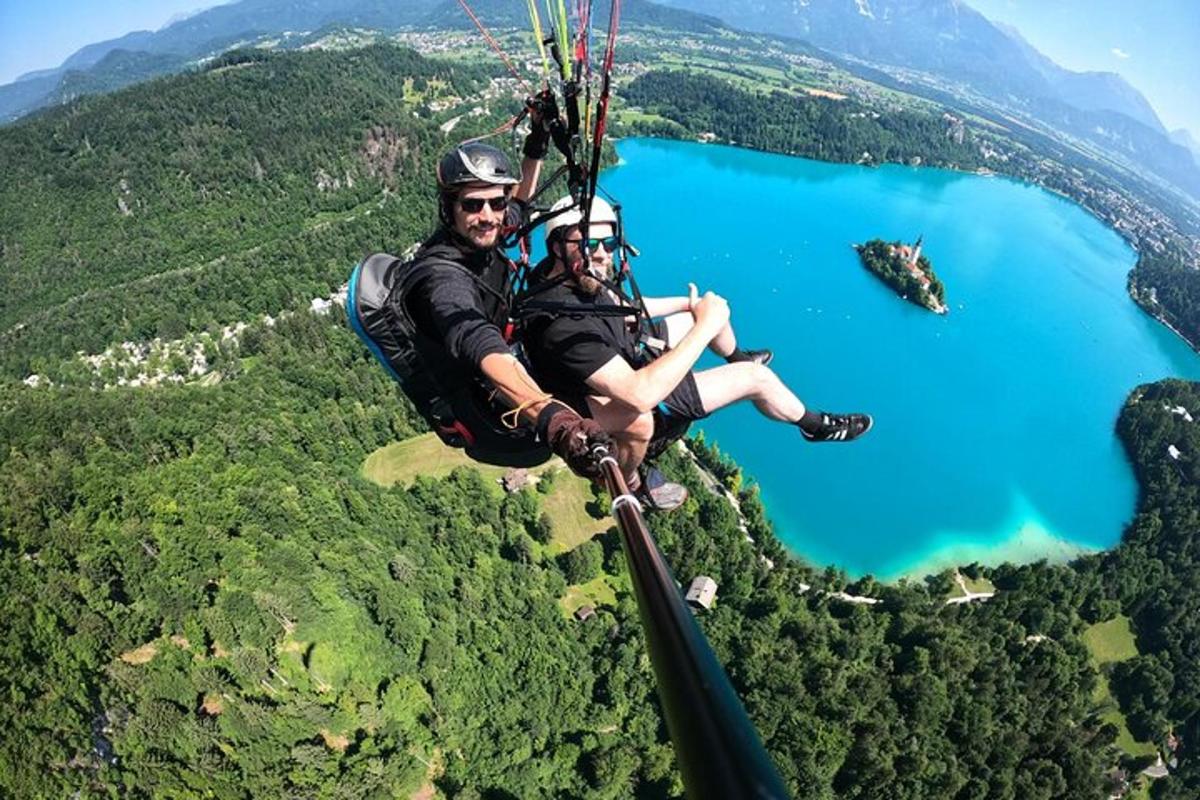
702, 592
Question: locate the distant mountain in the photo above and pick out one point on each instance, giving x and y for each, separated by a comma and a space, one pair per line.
950, 40
202, 34
1087, 91
1184, 138
506, 13
111, 64
117, 69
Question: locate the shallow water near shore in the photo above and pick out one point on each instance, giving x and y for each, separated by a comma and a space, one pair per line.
994, 425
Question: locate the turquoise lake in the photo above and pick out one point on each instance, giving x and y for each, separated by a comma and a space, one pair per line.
994, 425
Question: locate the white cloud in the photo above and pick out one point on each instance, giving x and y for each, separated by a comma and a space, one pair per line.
1119, 53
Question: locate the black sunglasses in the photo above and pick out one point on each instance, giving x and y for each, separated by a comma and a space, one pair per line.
473, 205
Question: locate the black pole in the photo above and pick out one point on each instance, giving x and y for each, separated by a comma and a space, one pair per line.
716, 745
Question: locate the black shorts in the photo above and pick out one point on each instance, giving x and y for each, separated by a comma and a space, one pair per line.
684, 400
682, 404
674, 415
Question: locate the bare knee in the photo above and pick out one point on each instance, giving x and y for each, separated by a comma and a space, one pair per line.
638, 429
759, 379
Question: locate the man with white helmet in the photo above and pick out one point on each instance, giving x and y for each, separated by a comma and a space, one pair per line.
638, 381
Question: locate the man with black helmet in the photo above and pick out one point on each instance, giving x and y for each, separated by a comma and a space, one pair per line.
460, 302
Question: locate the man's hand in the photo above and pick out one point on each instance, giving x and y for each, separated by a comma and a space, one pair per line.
542, 110
711, 313
572, 437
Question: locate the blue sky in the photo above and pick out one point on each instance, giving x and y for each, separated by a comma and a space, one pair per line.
38, 34
1153, 44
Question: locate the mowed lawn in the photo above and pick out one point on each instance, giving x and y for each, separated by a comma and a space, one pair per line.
401, 462
596, 592
1110, 642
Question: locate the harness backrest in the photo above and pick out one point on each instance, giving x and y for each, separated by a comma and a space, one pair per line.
377, 308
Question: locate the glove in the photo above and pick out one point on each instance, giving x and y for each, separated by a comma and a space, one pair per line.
542, 110
572, 438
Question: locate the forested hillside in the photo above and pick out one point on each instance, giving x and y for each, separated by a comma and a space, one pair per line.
1167, 285
204, 596
817, 127
252, 183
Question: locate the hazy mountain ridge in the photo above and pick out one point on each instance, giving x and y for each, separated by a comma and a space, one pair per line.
207, 33
1087, 91
505, 13
1182, 136
211, 31
949, 39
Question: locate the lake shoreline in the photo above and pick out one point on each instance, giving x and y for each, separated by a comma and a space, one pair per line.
941, 496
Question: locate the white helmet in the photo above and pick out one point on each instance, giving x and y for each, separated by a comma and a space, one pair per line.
601, 212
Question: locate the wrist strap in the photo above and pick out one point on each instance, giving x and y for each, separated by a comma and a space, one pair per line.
512, 417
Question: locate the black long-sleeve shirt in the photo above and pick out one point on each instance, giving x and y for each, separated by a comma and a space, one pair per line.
451, 308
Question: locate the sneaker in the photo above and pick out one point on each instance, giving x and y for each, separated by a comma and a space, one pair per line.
757, 356
657, 493
840, 428
760, 356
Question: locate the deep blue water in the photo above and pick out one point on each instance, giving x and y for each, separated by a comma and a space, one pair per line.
994, 434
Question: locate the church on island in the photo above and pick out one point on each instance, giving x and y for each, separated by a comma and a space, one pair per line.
904, 269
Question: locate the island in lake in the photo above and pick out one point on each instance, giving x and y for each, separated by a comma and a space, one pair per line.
903, 268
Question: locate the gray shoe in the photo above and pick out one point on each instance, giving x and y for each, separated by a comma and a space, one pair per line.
657, 493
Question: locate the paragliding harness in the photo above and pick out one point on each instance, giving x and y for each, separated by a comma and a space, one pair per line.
462, 412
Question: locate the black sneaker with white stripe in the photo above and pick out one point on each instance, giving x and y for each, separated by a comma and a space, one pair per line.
839, 428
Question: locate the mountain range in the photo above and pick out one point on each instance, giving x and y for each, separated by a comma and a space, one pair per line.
955, 43
942, 38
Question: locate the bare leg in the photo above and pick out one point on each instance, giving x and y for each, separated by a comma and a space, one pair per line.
746, 380
678, 325
631, 431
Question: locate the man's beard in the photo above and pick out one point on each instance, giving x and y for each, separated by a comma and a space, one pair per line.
484, 238
590, 283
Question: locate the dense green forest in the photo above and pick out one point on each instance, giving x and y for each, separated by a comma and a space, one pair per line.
816, 127
883, 259
204, 596
223, 188
1167, 285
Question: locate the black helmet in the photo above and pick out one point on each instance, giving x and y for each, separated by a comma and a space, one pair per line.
476, 162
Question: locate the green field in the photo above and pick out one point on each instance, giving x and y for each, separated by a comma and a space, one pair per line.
629, 116
596, 592
1110, 642
401, 462
974, 585
979, 585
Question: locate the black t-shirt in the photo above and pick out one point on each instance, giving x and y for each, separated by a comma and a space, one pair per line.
565, 349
